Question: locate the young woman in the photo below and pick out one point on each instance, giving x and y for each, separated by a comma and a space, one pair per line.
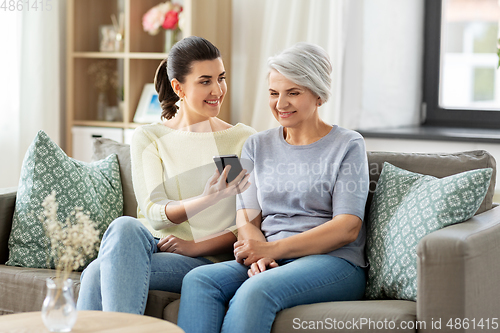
300, 224
186, 211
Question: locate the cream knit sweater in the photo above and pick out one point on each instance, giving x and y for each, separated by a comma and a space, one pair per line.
169, 164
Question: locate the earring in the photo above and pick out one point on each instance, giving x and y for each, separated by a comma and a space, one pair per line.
319, 104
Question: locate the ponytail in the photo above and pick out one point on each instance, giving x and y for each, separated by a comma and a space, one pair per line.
166, 94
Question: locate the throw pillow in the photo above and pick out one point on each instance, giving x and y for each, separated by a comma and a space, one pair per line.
406, 207
96, 187
104, 147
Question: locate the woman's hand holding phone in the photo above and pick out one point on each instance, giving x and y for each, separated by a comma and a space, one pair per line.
217, 188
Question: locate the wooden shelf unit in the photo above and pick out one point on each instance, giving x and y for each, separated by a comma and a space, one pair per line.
141, 54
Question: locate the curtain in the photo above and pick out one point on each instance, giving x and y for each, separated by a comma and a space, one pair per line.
376, 49
392, 64
263, 28
35, 97
10, 24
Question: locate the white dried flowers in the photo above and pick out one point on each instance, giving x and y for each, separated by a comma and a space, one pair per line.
71, 241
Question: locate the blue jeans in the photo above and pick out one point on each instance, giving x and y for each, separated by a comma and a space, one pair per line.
128, 265
254, 302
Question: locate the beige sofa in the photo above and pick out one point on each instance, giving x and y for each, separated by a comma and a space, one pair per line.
458, 270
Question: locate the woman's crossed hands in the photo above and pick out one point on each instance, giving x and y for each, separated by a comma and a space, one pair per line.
255, 254
261, 265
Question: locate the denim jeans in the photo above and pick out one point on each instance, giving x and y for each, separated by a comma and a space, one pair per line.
128, 265
254, 302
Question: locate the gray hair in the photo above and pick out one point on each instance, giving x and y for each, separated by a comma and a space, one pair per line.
307, 65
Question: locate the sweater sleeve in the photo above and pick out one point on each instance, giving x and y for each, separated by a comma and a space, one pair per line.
148, 177
352, 183
249, 198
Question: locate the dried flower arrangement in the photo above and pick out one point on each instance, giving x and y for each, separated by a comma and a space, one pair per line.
104, 74
71, 241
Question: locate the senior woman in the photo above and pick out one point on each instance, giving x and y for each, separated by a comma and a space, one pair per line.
300, 224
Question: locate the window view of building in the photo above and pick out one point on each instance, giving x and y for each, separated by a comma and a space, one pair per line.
469, 76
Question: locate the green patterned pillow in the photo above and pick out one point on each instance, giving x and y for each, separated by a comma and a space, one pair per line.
406, 207
96, 187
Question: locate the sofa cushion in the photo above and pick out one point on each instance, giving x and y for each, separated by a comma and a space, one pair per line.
406, 207
104, 147
171, 311
96, 187
158, 302
352, 316
24, 289
437, 165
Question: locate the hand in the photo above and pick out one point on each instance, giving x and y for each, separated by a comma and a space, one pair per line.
218, 189
249, 251
174, 244
261, 265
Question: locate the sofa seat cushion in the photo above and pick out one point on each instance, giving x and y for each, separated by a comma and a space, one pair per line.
352, 316
346, 316
158, 302
23, 289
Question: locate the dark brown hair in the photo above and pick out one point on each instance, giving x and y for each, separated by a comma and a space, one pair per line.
177, 65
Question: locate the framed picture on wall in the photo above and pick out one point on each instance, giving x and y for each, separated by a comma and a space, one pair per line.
149, 108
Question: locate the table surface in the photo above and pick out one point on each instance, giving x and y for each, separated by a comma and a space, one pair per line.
89, 321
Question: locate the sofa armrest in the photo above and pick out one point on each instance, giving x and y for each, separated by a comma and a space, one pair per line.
7, 205
458, 269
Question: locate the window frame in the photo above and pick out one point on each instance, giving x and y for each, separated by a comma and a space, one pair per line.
435, 115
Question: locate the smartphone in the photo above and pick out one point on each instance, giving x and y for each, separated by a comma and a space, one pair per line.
222, 161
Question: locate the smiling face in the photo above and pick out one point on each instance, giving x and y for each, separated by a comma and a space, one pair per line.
203, 89
292, 105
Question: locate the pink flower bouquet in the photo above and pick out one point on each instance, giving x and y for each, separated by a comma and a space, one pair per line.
165, 15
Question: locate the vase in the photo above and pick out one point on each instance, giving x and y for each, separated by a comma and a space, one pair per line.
59, 310
102, 105
171, 37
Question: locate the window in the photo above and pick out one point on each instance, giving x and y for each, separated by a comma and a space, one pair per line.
461, 80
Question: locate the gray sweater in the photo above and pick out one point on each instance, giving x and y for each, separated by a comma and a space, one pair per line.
300, 187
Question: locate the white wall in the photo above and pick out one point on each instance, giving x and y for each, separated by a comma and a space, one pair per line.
427, 146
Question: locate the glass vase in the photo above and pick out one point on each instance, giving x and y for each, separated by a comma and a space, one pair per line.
59, 310
172, 36
102, 105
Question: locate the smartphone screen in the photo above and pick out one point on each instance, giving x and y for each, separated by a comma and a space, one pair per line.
222, 161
